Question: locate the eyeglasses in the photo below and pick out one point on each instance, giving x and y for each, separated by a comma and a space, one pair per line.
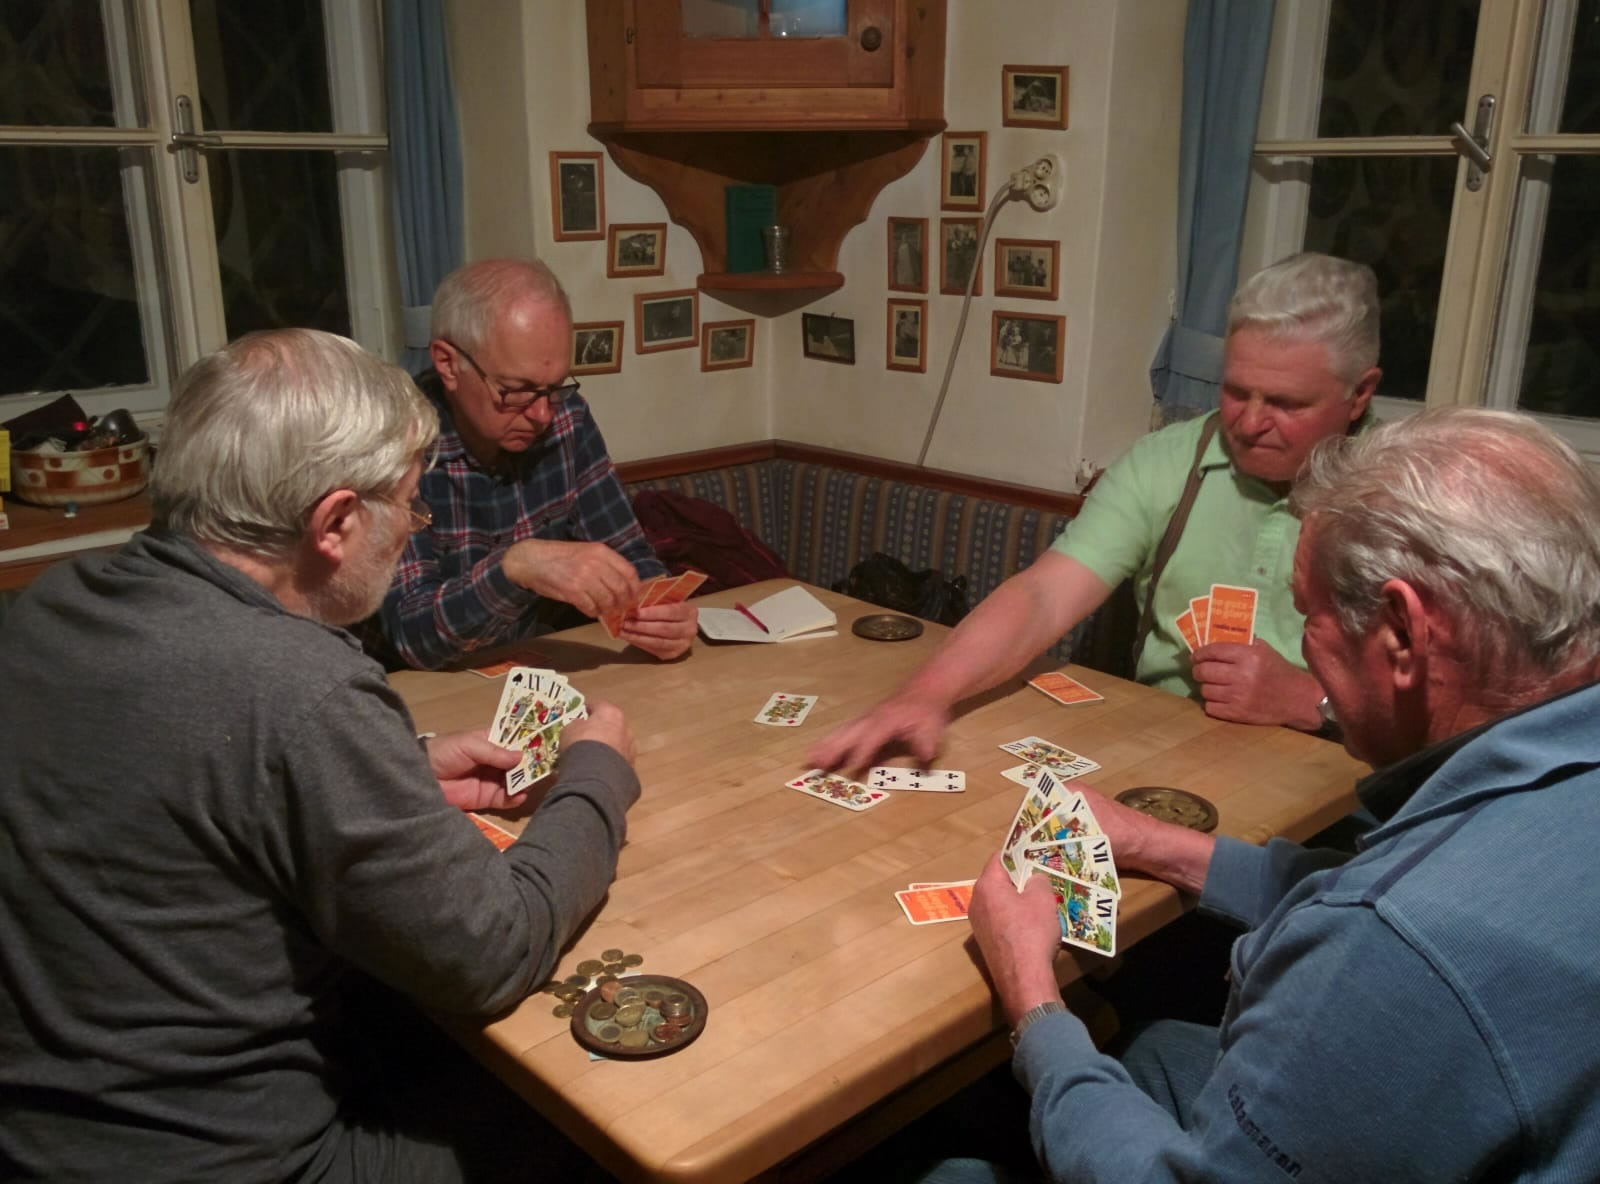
516, 400
421, 512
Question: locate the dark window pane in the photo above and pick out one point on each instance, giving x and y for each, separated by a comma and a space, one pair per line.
53, 68
1561, 375
69, 310
1580, 109
263, 65
1396, 67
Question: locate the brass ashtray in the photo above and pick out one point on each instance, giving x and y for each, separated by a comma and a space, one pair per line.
1172, 805
887, 627
641, 1016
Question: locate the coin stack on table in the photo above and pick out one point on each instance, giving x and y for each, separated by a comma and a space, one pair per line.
590, 973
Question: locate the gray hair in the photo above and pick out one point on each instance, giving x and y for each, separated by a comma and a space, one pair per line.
1312, 297
470, 299
261, 429
1487, 512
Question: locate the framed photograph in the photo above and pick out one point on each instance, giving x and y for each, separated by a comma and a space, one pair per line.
1027, 267
577, 196
961, 171
958, 256
1033, 96
597, 347
908, 344
908, 254
1026, 345
665, 320
830, 339
727, 345
636, 248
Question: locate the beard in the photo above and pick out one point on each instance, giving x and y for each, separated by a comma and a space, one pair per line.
356, 590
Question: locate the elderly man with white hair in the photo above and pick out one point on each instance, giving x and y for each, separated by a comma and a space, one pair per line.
1199, 503
217, 822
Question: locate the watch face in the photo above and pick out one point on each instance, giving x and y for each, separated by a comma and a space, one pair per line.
1325, 708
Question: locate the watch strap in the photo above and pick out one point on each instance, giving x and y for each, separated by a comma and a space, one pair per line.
1033, 1015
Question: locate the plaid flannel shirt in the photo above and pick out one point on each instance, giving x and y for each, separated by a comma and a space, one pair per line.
450, 593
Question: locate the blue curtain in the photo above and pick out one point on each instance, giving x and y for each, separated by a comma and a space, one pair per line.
424, 162
1224, 64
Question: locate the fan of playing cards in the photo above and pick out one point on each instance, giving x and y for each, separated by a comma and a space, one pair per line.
535, 707
1055, 835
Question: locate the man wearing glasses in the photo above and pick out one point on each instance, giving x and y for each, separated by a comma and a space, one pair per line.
528, 513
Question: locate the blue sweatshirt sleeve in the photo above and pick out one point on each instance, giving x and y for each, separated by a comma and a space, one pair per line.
1244, 883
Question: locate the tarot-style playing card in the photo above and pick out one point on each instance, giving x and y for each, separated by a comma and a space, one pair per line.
533, 709
1200, 606
1087, 859
784, 710
1233, 614
841, 791
1088, 914
1063, 689
1052, 756
1072, 819
1188, 630
1037, 805
936, 903
922, 780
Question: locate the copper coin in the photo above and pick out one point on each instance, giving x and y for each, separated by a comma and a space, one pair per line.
634, 1038
611, 955
589, 968
602, 1010
1172, 805
608, 991
887, 627
630, 1014
604, 979
653, 997
614, 967
561, 1010
633, 959
665, 1033
610, 1033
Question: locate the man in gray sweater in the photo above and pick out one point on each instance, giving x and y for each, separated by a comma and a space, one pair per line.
215, 816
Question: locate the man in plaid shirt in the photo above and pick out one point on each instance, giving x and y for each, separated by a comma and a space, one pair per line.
527, 507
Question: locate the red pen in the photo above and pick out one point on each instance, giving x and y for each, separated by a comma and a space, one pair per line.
752, 616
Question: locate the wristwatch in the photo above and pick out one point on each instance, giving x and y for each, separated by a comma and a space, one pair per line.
1325, 710
1033, 1015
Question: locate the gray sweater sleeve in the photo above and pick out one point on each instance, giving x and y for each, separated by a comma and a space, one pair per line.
401, 883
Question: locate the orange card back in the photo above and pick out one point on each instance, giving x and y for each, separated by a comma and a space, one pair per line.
1233, 614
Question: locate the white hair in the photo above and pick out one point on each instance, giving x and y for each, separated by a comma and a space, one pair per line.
1312, 297
470, 300
261, 429
1487, 512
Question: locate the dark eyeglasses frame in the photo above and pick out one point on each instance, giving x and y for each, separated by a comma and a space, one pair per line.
517, 400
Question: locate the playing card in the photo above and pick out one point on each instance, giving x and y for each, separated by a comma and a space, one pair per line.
1087, 859
1072, 819
1037, 804
1088, 914
923, 780
679, 589
1063, 689
1233, 614
496, 834
666, 589
1052, 756
534, 709
1189, 630
931, 905
941, 884
841, 791
1200, 606
784, 710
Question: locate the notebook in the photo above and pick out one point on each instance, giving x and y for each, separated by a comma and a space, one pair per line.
791, 615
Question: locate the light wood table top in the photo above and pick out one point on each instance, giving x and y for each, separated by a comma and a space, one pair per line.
780, 908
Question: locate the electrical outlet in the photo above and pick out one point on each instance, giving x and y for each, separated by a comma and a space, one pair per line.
1044, 188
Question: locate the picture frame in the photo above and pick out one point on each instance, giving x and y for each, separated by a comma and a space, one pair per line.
666, 320
1026, 345
908, 254
827, 338
1034, 96
727, 345
1027, 267
907, 347
636, 248
597, 347
577, 196
958, 255
962, 165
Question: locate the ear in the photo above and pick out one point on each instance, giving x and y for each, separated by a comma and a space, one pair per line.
445, 362
1406, 634
332, 524
1366, 386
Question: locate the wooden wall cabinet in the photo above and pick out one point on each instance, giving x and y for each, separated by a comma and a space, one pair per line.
830, 121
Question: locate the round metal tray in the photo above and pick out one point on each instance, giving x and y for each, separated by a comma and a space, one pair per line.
887, 627
1172, 805
585, 1028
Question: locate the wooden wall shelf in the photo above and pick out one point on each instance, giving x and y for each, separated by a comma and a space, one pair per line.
766, 281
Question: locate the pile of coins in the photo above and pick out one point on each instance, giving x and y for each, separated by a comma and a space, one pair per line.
590, 973
633, 1018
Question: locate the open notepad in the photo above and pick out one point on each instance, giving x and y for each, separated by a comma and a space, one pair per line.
791, 615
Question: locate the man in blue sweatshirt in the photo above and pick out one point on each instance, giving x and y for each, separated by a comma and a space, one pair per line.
1424, 1009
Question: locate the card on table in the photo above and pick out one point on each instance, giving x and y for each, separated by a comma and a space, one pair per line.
1189, 630
1233, 614
1058, 760
1087, 914
922, 780
936, 903
1200, 606
496, 834
1063, 688
1087, 859
841, 791
941, 884
784, 710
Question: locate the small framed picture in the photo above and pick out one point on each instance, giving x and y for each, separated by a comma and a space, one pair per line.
958, 256
961, 175
577, 196
727, 345
908, 320
1027, 267
829, 339
665, 320
1026, 345
908, 254
636, 248
1033, 96
597, 347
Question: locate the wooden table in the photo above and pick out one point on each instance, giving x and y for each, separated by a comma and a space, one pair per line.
780, 908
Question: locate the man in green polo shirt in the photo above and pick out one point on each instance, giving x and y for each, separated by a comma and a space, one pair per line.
1299, 365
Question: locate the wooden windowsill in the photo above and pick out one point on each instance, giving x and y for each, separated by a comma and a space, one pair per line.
42, 535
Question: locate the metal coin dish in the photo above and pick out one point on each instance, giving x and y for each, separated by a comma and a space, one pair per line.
1172, 805
650, 1035
887, 627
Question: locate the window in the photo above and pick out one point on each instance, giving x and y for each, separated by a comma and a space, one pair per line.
124, 255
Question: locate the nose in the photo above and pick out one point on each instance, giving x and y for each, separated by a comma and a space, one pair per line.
1253, 418
539, 413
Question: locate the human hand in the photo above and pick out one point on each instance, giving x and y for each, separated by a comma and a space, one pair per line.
591, 577
1019, 934
471, 770
605, 725
664, 630
916, 721
1254, 684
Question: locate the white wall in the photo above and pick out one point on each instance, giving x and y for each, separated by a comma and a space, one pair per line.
1116, 224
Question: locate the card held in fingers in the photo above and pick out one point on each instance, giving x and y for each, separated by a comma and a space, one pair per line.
1087, 914
1200, 606
917, 780
1188, 630
1233, 614
785, 710
1072, 819
1087, 859
841, 791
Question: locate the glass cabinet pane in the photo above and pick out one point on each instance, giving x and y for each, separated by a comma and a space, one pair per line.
722, 18
810, 18
785, 18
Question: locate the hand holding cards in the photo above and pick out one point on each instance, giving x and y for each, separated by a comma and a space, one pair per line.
661, 590
1055, 835
1227, 613
535, 707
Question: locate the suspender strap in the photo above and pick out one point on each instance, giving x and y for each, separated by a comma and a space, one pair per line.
1169, 541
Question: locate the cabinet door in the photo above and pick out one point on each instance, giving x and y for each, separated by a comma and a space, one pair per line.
691, 44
